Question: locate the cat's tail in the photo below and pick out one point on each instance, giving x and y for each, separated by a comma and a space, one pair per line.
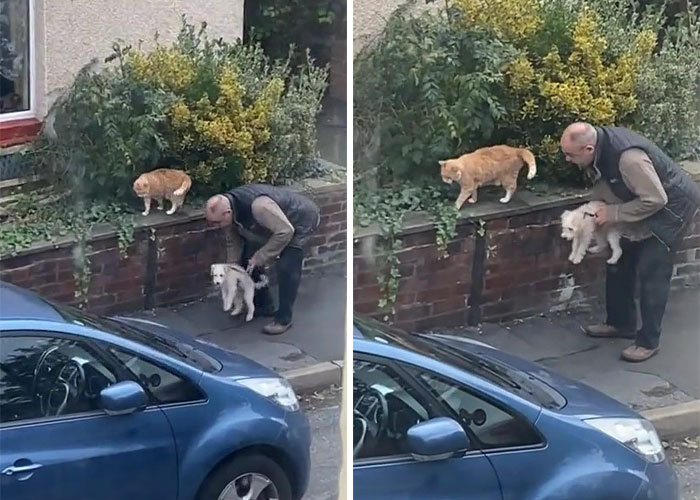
184, 187
529, 159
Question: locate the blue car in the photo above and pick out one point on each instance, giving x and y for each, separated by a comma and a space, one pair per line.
125, 409
444, 417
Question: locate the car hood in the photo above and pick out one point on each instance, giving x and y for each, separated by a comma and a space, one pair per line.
233, 365
582, 400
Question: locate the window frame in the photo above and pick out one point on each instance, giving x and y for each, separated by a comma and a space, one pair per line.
431, 404
484, 397
100, 350
91, 347
152, 400
442, 409
31, 113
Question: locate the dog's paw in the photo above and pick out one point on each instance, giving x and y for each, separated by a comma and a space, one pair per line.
612, 260
471, 200
249, 317
144, 214
504, 200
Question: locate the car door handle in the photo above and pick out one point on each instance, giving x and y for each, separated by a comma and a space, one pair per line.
22, 469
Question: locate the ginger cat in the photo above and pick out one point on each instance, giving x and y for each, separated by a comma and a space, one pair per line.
160, 184
495, 165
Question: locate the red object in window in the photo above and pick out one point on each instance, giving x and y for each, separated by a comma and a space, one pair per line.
15, 132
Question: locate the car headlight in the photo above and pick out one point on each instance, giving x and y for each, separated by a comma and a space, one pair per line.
637, 434
277, 389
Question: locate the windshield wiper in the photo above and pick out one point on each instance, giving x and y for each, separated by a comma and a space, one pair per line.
503, 377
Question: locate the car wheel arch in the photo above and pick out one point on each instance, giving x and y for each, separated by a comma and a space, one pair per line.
277, 455
602, 485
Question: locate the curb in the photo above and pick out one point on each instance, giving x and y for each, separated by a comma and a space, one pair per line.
675, 421
315, 377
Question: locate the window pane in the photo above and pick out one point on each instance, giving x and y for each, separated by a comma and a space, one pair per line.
166, 387
494, 427
385, 407
48, 377
14, 55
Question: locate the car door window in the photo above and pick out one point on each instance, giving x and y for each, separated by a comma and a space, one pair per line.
165, 386
43, 376
385, 407
494, 427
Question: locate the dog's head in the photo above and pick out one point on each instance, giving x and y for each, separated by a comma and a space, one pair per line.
450, 171
218, 273
570, 224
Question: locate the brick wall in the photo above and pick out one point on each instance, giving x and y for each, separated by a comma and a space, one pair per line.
166, 264
516, 267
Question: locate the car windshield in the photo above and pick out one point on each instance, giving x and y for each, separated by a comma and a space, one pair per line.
181, 350
504, 376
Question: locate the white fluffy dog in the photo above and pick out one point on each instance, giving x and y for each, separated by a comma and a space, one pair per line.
579, 227
237, 287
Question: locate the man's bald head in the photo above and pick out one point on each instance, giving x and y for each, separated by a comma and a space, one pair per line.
219, 210
578, 143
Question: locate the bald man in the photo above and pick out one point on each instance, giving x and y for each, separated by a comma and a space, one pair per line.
640, 184
267, 224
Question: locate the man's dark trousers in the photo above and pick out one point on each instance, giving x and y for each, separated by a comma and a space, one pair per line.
289, 267
651, 262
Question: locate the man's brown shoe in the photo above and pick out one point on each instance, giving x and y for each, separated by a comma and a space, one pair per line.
603, 330
276, 328
636, 354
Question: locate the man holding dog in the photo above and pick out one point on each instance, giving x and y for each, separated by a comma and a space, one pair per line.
639, 183
267, 223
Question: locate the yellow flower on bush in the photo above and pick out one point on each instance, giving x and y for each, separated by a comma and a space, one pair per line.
521, 74
585, 85
547, 149
180, 115
164, 67
231, 124
513, 20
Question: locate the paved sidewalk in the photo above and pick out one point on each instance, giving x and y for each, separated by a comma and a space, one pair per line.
318, 333
557, 341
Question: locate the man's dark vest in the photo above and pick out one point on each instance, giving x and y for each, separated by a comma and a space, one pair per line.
670, 223
302, 213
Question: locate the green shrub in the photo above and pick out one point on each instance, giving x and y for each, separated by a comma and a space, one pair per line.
438, 85
429, 90
225, 113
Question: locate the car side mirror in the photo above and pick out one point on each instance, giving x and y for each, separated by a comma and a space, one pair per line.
123, 398
437, 439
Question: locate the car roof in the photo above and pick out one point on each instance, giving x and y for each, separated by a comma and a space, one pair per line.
19, 303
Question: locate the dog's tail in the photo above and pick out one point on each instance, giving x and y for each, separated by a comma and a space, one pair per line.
262, 283
529, 159
184, 187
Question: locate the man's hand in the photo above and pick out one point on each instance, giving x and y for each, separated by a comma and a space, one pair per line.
253, 262
601, 216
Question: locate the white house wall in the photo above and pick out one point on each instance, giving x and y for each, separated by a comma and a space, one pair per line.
70, 33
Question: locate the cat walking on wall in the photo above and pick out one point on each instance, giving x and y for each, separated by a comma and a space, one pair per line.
495, 166
163, 184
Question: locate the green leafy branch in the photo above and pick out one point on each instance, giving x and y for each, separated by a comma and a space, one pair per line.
385, 208
29, 221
